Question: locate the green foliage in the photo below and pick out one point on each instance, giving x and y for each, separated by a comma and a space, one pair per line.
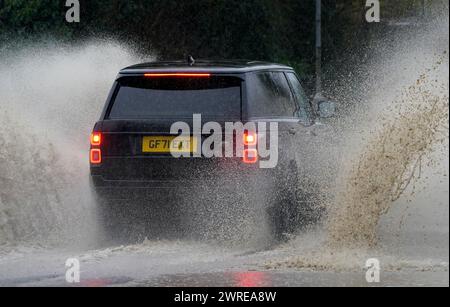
273, 30
31, 17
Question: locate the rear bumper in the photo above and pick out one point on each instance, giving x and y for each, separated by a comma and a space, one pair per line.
167, 171
129, 189
124, 178
101, 182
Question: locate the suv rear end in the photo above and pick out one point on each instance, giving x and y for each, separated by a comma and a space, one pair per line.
142, 108
129, 161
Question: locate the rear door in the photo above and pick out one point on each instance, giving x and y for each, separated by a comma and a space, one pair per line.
270, 99
305, 140
141, 112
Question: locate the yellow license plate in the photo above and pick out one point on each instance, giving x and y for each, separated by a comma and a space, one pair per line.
169, 144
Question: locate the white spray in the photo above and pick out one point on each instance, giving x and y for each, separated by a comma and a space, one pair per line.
50, 97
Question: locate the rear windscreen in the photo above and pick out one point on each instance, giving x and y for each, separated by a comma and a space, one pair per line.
177, 97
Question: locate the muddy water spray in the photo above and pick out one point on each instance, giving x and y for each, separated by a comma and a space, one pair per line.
395, 130
390, 162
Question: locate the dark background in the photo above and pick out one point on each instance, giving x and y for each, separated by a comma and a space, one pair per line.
271, 30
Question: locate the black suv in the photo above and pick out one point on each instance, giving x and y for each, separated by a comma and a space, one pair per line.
130, 145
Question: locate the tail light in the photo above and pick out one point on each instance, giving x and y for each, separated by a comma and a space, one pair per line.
96, 139
96, 156
250, 155
250, 138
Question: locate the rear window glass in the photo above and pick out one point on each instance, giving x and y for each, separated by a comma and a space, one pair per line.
177, 97
269, 95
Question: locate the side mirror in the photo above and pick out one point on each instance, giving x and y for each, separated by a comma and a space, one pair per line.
326, 108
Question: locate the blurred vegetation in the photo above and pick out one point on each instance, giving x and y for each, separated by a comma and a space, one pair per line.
272, 30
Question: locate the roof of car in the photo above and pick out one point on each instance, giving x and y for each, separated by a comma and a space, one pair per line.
231, 66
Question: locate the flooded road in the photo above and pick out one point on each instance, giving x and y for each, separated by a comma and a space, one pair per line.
192, 264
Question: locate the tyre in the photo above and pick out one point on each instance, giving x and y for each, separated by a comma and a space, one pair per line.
288, 210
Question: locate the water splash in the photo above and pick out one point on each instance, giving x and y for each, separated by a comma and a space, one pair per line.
50, 97
395, 130
391, 161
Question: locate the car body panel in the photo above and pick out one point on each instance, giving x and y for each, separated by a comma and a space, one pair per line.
124, 166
